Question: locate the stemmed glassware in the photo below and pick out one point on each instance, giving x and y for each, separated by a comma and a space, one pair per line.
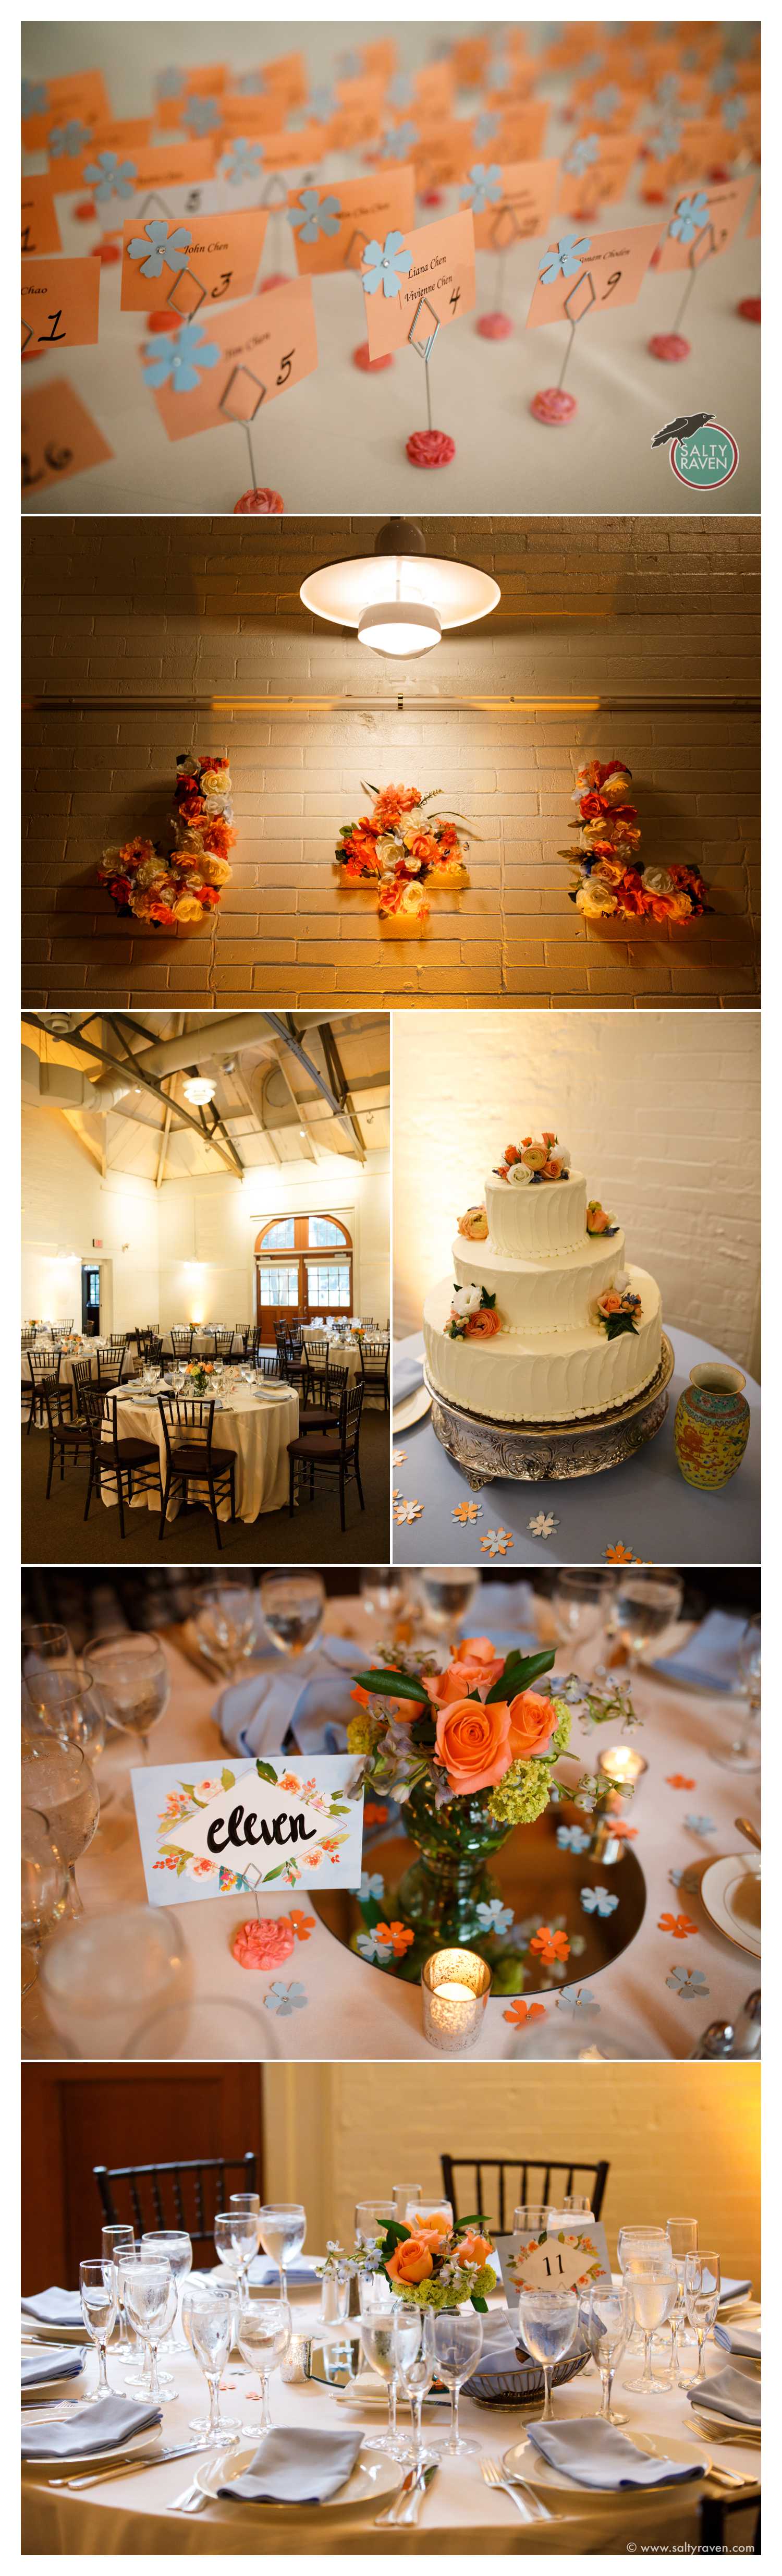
172, 2243
382, 1590
446, 1592
643, 1606
114, 2242
46, 1647
59, 1786
207, 2316
654, 2290
372, 2216
150, 2294
682, 2234
580, 1601
454, 2338
247, 2200
530, 2219
43, 1892
701, 2298
293, 1605
236, 2241
379, 2304
414, 2362
97, 2291
131, 1675
606, 2316
263, 2335
65, 1704
548, 2321
225, 1621
282, 2227
743, 1753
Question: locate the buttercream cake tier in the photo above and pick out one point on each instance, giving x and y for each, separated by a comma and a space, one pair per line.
539, 1221
543, 1377
534, 1297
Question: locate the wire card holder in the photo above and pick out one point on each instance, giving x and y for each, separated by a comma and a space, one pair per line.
669, 345
554, 407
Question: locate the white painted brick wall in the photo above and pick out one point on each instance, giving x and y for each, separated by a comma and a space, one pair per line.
662, 1115
588, 607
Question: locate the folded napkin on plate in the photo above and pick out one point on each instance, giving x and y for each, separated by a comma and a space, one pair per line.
734, 2391
301, 2272
743, 2340
103, 2426
734, 2290
709, 1661
54, 2361
406, 1377
297, 2468
254, 1715
54, 2308
595, 2455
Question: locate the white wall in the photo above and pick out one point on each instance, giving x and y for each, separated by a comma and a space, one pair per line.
661, 1111
208, 1230
65, 1203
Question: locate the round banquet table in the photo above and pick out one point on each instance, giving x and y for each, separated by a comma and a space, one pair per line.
644, 1505
92, 1351
353, 2009
257, 1427
341, 1354
131, 2515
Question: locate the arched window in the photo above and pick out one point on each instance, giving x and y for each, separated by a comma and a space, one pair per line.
303, 1268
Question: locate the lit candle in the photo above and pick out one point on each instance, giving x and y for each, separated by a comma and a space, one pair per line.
454, 1986
621, 1767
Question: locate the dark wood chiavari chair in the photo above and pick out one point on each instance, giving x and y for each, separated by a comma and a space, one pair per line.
186, 2194
375, 1359
111, 1363
325, 1416
67, 1439
223, 1342
191, 1457
496, 2185
335, 1457
41, 1364
133, 1465
181, 1339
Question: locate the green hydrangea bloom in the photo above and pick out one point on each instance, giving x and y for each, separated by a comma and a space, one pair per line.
522, 1794
442, 2294
561, 1736
363, 1733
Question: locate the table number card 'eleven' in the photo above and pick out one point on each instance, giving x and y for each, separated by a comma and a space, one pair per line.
564, 2257
246, 1827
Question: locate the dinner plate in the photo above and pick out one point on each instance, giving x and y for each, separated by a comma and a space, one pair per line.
730, 1889
35, 2330
73, 2465
529, 2463
372, 2481
367, 2390
43, 2391
412, 1409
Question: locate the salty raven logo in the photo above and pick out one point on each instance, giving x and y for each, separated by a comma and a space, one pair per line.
684, 427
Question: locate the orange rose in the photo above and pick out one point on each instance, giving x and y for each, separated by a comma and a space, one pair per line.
474, 1667
610, 1304
597, 1221
473, 2248
473, 1744
532, 1723
481, 1325
433, 2225
535, 1156
512, 1154
422, 846
552, 1170
410, 2261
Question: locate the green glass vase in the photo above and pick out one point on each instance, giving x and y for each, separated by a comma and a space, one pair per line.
441, 1891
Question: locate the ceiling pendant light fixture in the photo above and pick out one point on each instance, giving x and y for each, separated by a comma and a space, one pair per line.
199, 1090
400, 600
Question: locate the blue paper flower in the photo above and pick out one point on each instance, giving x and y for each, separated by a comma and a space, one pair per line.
606, 101
285, 1999
399, 142
722, 78
486, 125
201, 115
65, 141
699, 1824
667, 91
563, 262
499, 75
110, 177
242, 161
170, 83
578, 1999
598, 1900
158, 248
400, 90
371, 1948
484, 186
687, 1983
582, 155
733, 112
687, 1879
314, 215
251, 85
321, 104
494, 1916
371, 1886
180, 360
691, 215
573, 1838
663, 144
35, 98
385, 264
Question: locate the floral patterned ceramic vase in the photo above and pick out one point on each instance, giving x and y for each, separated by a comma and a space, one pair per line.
711, 1428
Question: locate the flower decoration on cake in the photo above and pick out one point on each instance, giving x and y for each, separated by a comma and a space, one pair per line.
618, 1310
537, 1158
406, 843
609, 883
474, 1224
179, 888
596, 1220
473, 1316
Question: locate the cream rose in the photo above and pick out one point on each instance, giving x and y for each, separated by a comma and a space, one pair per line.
519, 1175
657, 881
465, 1301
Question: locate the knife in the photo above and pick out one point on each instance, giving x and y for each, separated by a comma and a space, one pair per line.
119, 2468
407, 2504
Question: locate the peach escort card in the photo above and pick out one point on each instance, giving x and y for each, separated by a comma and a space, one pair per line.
106, 151
206, 81
49, 106
60, 303
441, 153
717, 211
753, 227
40, 228
423, 95
610, 266
59, 438
521, 132
511, 203
700, 146
357, 115
213, 257
435, 263
155, 167
331, 224
277, 151
221, 368
249, 1824
596, 170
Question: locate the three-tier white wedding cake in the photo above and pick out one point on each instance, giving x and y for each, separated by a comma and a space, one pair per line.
544, 1321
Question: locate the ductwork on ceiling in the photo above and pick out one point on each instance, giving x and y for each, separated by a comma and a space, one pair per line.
217, 1039
62, 1086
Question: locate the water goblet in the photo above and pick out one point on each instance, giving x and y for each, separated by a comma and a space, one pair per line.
606, 2316
382, 1591
743, 1752
447, 1592
225, 1621
372, 2217
378, 2305
548, 2321
97, 2291
643, 1606
175, 2244
46, 1647
682, 2234
236, 2240
414, 2360
59, 1786
633, 2242
701, 2298
263, 2335
43, 1890
654, 2290
531, 2218
282, 2227
404, 2195
209, 2332
247, 2200
130, 1672
454, 2337
580, 1601
293, 1605
151, 2301
115, 2241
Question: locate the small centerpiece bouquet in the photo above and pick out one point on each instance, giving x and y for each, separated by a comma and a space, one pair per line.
408, 847
198, 1377
178, 889
436, 2264
609, 883
537, 1158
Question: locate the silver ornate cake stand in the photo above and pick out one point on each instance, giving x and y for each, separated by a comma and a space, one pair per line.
530, 1451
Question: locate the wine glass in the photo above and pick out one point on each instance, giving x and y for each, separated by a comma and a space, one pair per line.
446, 1592
282, 2227
247, 2200
43, 1892
530, 2218
209, 2330
65, 1703
131, 1675
577, 2204
548, 2321
173, 2243
454, 2337
378, 2305
682, 2234
643, 1606
580, 1599
654, 2289
421, 2213
97, 2291
414, 2361
372, 2217
382, 1591
225, 1621
743, 1753
293, 1605
236, 2240
701, 2298
151, 2302
59, 1786
115, 2241
46, 1647
263, 2336
404, 2195
607, 2316
195, 2289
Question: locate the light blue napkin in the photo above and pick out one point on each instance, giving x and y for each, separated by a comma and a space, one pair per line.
297, 2467
734, 2290
406, 1377
302, 2273
743, 2340
103, 2426
594, 2454
709, 1661
54, 2308
54, 2361
254, 1715
734, 2391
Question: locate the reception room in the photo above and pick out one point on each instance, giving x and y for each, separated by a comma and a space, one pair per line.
205, 1285
268, 2202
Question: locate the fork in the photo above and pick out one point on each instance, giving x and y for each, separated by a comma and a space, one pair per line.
493, 2477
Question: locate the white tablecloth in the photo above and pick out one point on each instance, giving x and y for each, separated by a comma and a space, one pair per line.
203, 1347
341, 1354
92, 1351
258, 1427
353, 2009
130, 2516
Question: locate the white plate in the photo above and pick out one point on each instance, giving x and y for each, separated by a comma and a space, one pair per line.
412, 1409
73, 2465
372, 2481
34, 2331
367, 2390
529, 2464
51, 2390
722, 1886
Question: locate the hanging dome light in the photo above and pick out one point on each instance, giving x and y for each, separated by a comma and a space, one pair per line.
400, 599
199, 1090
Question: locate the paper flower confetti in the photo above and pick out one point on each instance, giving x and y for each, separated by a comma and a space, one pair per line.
621, 1831
486, 126
303, 1924
494, 1916
157, 247
549, 1945
398, 1457
107, 176
543, 1525
691, 215
497, 1542
562, 262
520, 2013
181, 359
202, 115
399, 142
619, 1555
484, 186
578, 1999
285, 1999
606, 101
733, 112
385, 264
372, 1948
315, 215
372, 1887
582, 155
465, 1512
688, 1879
65, 141
676, 1780
405, 1512
243, 161
679, 1926
573, 1838
700, 1824
264, 1942
598, 1900
399, 1936
400, 90
374, 1815
688, 1984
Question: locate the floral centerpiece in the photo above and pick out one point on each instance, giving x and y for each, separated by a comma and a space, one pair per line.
198, 1377
436, 2264
609, 882
407, 847
178, 889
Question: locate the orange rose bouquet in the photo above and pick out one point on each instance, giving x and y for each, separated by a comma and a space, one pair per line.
476, 1731
405, 842
609, 881
435, 2265
179, 890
